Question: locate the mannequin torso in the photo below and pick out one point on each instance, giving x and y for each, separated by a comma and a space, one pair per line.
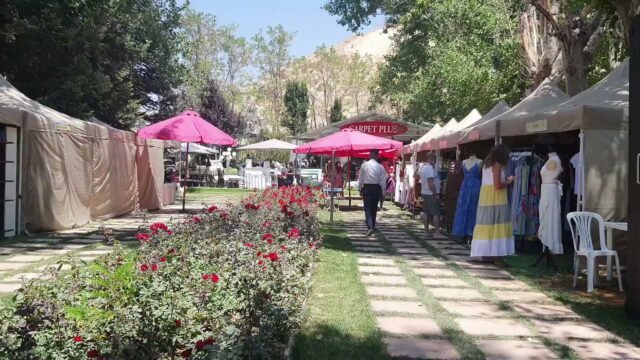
472, 160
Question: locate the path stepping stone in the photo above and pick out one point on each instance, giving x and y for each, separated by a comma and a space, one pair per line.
521, 296
50, 252
504, 284
9, 288
21, 276
493, 327
375, 261
447, 252
458, 258
435, 272
427, 263
571, 330
393, 306
8, 266
514, 350
30, 245
95, 252
444, 282
73, 246
370, 249
26, 258
474, 309
54, 267
379, 270
391, 291
384, 279
475, 265
544, 311
407, 246
10, 251
490, 274
420, 251
359, 244
397, 325
86, 258
44, 240
456, 294
85, 241
420, 348
609, 351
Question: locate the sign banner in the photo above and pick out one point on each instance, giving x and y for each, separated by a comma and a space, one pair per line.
474, 135
378, 128
536, 126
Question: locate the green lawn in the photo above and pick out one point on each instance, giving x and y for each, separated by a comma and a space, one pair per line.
339, 323
217, 191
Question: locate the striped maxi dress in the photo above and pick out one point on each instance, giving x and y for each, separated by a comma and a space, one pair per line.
493, 233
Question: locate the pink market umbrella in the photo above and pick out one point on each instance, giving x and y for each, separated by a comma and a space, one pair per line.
347, 142
187, 127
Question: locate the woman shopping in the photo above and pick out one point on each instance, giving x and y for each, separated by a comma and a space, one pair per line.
493, 232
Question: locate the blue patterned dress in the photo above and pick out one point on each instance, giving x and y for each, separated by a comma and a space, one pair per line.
465, 219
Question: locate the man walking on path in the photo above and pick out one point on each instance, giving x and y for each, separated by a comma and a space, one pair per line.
372, 182
430, 188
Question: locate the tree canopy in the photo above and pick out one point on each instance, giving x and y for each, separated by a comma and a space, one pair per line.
296, 103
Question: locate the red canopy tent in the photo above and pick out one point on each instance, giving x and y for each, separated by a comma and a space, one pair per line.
348, 142
187, 127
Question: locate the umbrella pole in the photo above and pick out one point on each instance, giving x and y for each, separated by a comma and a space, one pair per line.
349, 179
333, 160
186, 176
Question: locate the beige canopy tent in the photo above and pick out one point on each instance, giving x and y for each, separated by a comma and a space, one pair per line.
415, 145
443, 141
73, 171
601, 113
451, 140
545, 95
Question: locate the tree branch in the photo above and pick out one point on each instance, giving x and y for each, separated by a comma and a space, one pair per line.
545, 12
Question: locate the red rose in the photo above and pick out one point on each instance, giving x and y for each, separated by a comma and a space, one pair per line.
284, 248
77, 339
154, 267
206, 276
215, 278
273, 256
163, 259
178, 323
258, 254
186, 353
143, 237
212, 208
210, 341
260, 262
294, 233
196, 219
144, 267
199, 344
248, 245
248, 206
171, 251
169, 232
270, 241
92, 354
267, 236
266, 224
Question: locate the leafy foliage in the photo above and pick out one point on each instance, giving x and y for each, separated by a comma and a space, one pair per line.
214, 108
296, 102
89, 58
336, 112
224, 284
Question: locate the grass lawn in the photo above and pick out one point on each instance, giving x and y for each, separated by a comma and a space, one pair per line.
217, 191
339, 323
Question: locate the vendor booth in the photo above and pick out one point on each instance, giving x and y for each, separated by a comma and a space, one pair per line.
63, 172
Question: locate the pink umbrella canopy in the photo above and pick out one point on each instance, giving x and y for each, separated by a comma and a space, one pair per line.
187, 127
348, 142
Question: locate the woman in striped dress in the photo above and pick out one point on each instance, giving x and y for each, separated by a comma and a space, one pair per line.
493, 233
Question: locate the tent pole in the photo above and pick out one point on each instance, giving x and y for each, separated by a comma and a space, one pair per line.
580, 205
333, 160
186, 176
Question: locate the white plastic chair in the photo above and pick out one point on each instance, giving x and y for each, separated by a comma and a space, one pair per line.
580, 224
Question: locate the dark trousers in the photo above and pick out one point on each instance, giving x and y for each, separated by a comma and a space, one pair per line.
371, 194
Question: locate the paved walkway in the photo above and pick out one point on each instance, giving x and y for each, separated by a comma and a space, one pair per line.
431, 303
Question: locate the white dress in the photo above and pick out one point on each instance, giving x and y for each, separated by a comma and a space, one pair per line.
550, 230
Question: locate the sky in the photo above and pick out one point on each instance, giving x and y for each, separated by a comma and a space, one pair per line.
313, 25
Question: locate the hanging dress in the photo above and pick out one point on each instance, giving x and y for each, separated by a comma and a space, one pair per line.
465, 218
550, 230
493, 233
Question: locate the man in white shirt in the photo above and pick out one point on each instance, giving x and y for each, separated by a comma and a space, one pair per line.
430, 188
372, 182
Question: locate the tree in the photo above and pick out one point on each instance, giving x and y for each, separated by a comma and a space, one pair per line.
336, 112
296, 102
117, 61
214, 108
272, 58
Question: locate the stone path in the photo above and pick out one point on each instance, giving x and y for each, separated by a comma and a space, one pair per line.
431, 303
32, 258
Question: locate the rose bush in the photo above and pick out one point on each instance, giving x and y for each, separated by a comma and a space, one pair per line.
227, 283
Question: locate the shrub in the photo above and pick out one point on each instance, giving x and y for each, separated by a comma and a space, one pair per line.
228, 283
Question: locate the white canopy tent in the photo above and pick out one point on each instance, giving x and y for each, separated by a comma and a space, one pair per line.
197, 149
451, 140
272, 144
415, 145
440, 141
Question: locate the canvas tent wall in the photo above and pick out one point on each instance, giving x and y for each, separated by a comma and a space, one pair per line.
72, 171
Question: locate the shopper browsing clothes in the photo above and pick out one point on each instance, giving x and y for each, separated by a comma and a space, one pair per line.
493, 233
430, 190
372, 180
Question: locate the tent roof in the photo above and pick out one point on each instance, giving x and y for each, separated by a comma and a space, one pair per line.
348, 142
545, 95
271, 144
197, 149
440, 141
604, 106
413, 130
415, 145
451, 140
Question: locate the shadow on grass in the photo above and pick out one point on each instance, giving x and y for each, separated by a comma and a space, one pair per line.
327, 342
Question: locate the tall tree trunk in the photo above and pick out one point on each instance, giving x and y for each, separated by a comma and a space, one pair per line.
625, 10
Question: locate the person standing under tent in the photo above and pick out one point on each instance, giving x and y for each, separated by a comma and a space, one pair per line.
430, 191
493, 233
372, 181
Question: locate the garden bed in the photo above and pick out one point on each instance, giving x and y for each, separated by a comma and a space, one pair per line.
224, 284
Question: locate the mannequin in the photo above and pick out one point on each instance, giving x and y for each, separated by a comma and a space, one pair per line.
467, 206
550, 231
